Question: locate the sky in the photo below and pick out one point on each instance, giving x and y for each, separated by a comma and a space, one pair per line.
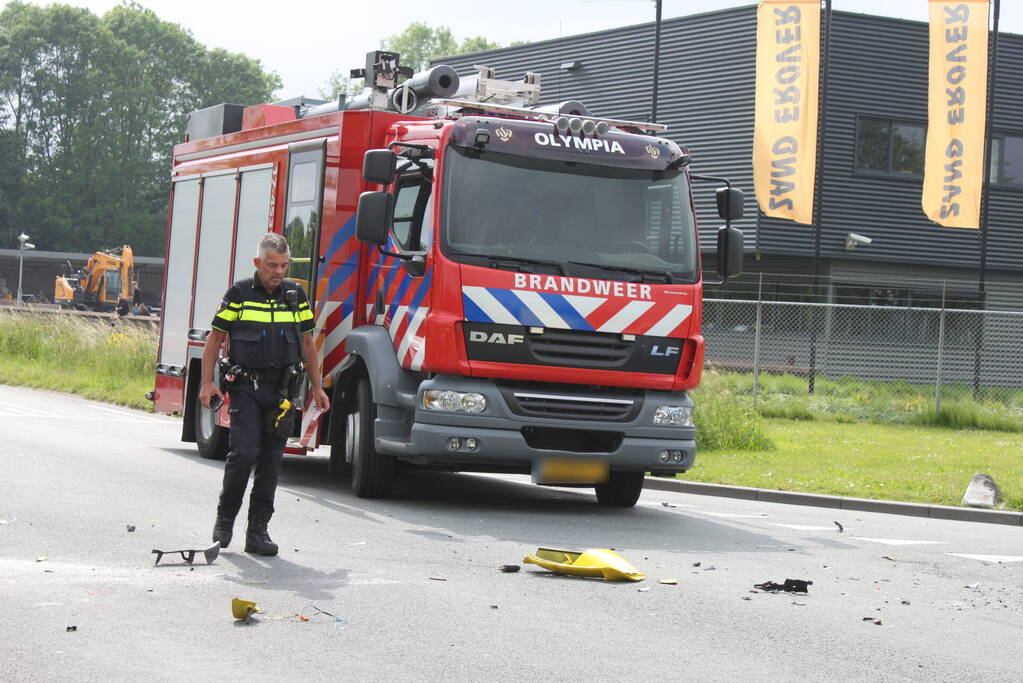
303, 41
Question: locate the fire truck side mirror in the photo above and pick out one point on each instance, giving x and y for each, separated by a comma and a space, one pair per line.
730, 203
373, 221
730, 246
379, 166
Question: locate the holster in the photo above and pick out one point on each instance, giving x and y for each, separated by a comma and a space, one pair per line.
280, 420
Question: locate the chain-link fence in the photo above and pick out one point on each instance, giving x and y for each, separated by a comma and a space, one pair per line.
926, 354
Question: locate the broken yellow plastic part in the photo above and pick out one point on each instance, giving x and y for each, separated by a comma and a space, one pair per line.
596, 563
243, 609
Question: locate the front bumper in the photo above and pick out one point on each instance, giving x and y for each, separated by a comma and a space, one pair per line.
507, 440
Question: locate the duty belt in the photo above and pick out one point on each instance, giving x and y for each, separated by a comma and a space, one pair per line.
275, 376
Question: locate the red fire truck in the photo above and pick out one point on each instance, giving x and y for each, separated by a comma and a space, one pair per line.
498, 286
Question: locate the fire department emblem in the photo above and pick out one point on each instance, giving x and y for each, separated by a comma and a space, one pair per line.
654, 152
503, 133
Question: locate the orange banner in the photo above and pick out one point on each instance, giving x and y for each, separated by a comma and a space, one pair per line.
785, 123
957, 107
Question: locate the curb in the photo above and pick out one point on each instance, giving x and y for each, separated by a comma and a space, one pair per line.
837, 502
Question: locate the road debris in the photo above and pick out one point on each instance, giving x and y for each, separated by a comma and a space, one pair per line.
669, 582
69, 629
593, 563
697, 564
840, 527
668, 505
188, 555
438, 578
889, 558
874, 620
790, 586
644, 589
905, 602
510, 568
130, 527
244, 609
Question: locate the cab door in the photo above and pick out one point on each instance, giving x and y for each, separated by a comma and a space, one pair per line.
303, 212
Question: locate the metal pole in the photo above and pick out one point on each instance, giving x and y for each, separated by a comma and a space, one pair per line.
756, 341
21, 261
818, 196
657, 59
985, 196
941, 350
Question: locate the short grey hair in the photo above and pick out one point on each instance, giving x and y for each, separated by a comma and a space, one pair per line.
271, 241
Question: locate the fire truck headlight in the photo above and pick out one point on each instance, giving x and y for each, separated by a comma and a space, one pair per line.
474, 403
454, 401
676, 416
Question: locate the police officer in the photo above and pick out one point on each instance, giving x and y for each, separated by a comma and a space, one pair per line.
269, 328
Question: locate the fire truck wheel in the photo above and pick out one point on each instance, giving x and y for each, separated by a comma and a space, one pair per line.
210, 438
372, 473
621, 490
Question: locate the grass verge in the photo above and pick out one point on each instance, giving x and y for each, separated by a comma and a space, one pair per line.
105, 360
890, 462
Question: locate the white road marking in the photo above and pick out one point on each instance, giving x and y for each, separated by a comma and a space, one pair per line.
989, 558
22, 411
897, 541
730, 515
805, 527
125, 414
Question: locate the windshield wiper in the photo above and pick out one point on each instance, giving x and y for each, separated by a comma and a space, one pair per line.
666, 274
505, 262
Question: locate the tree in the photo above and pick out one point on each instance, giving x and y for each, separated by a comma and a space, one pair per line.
340, 84
475, 44
419, 43
95, 105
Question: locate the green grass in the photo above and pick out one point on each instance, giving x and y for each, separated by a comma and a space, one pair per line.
850, 399
106, 359
892, 462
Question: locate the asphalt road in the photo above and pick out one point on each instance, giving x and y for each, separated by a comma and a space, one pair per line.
74, 474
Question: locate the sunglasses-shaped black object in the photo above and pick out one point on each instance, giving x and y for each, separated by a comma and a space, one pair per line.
188, 556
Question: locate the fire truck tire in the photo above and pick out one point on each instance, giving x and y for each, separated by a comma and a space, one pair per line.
372, 473
621, 490
210, 438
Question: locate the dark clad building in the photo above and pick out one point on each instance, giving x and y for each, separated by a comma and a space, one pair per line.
873, 159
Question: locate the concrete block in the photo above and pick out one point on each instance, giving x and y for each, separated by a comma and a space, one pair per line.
982, 492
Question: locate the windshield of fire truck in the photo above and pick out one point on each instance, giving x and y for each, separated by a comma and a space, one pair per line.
581, 216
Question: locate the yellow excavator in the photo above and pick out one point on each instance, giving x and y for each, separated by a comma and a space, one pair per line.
105, 280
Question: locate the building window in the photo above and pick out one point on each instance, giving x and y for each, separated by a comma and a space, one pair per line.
890, 147
1007, 160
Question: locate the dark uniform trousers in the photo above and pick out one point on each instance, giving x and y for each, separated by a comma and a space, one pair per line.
251, 447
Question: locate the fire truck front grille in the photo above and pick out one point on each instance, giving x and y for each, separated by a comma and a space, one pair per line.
585, 349
573, 407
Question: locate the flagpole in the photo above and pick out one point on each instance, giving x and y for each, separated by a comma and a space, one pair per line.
657, 59
985, 194
818, 195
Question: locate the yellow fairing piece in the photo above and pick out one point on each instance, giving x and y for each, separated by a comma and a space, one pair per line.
596, 562
242, 609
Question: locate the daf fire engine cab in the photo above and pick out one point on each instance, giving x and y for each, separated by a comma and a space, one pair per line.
498, 286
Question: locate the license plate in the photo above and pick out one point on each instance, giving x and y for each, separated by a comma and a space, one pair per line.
570, 471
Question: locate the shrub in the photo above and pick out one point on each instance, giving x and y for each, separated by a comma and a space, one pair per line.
724, 420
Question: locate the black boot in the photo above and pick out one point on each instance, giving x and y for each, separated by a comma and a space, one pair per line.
257, 539
223, 529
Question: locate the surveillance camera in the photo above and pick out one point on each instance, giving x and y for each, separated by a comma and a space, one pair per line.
852, 240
